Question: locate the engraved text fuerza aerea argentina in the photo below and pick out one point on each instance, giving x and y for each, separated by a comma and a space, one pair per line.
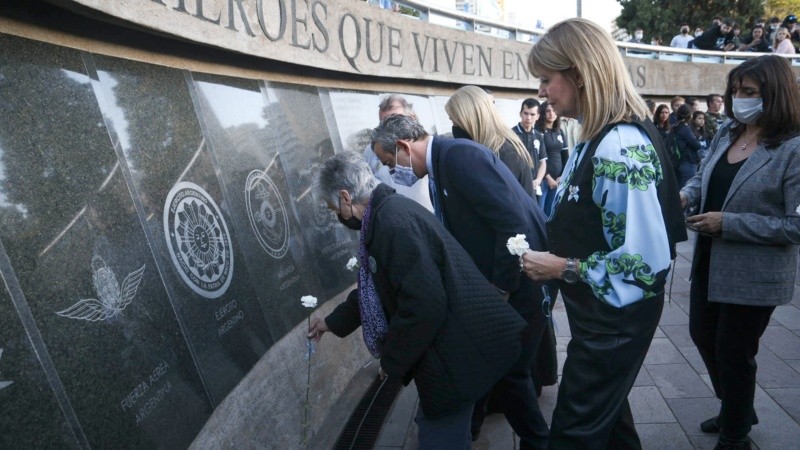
147, 394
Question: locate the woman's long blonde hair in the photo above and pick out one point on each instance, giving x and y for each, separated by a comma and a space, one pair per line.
471, 108
587, 56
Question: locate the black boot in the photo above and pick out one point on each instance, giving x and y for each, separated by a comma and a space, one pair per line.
712, 425
733, 444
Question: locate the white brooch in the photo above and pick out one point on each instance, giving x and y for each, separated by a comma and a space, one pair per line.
573, 193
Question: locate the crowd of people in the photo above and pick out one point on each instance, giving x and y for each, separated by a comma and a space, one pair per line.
443, 302
725, 34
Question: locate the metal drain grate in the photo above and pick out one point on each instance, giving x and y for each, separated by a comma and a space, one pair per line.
361, 431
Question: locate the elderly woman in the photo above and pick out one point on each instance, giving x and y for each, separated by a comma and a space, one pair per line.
422, 303
745, 259
608, 251
474, 117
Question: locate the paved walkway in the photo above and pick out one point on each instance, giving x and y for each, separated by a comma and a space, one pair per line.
672, 394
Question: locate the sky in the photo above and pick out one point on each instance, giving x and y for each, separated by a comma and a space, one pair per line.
549, 12
603, 12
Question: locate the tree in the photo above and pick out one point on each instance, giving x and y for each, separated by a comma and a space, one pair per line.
664, 17
781, 8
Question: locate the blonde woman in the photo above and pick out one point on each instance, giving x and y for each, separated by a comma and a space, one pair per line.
782, 43
609, 253
474, 117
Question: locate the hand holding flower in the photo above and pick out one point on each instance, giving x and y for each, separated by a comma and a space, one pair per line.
517, 245
542, 266
317, 327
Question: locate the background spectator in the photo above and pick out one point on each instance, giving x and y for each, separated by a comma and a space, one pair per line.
783, 42
682, 40
714, 116
756, 41
717, 37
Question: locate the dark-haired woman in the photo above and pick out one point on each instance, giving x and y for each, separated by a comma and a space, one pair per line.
555, 142
745, 259
688, 145
661, 120
701, 133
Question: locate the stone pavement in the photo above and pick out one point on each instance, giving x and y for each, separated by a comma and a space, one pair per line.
672, 394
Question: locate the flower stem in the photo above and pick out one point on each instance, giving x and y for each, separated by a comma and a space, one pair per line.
306, 425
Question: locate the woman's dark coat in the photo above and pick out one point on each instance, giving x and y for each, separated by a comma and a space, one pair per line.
449, 329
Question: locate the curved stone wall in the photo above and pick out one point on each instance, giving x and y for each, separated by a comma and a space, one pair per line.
157, 227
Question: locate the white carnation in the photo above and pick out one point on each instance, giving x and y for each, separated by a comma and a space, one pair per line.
352, 264
517, 245
309, 301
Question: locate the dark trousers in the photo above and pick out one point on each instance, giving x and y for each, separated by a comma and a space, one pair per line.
450, 432
727, 336
604, 356
514, 393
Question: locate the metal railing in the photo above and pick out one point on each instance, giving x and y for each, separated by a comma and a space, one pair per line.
473, 23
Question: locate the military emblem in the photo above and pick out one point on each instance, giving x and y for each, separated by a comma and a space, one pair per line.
267, 213
198, 239
111, 297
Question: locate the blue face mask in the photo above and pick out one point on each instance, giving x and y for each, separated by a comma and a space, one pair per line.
403, 175
748, 110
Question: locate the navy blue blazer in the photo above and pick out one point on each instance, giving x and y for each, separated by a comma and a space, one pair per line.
484, 205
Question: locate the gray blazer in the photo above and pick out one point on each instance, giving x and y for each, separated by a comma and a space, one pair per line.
754, 261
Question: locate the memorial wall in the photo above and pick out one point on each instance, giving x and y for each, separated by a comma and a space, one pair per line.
158, 228
158, 224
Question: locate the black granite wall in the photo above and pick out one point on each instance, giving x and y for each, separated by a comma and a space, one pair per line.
157, 230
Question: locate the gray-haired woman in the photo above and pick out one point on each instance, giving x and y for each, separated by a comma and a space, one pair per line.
422, 303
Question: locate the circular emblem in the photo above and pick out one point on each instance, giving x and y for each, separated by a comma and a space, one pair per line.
198, 240
267, 214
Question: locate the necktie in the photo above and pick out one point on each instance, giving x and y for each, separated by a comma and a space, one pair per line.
437, 208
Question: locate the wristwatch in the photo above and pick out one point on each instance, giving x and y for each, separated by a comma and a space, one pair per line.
570, 273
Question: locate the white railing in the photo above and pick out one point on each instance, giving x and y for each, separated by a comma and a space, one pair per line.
470, 22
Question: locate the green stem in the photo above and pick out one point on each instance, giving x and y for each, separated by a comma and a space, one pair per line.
306, 425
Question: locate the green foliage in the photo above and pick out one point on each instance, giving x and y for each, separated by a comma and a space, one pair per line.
781, 8
664, 17
409, 11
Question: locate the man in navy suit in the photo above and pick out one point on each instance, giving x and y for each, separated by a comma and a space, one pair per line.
482, 205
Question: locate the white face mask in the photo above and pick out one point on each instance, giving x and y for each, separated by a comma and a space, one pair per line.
698, 33
638, 35
747, 110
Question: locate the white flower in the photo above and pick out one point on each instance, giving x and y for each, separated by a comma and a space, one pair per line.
309, 301
352, 264
517, 245
797, 210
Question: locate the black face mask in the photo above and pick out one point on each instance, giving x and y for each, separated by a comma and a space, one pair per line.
354, 223
460, 133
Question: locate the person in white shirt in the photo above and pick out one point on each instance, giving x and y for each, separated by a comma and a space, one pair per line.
682, 40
